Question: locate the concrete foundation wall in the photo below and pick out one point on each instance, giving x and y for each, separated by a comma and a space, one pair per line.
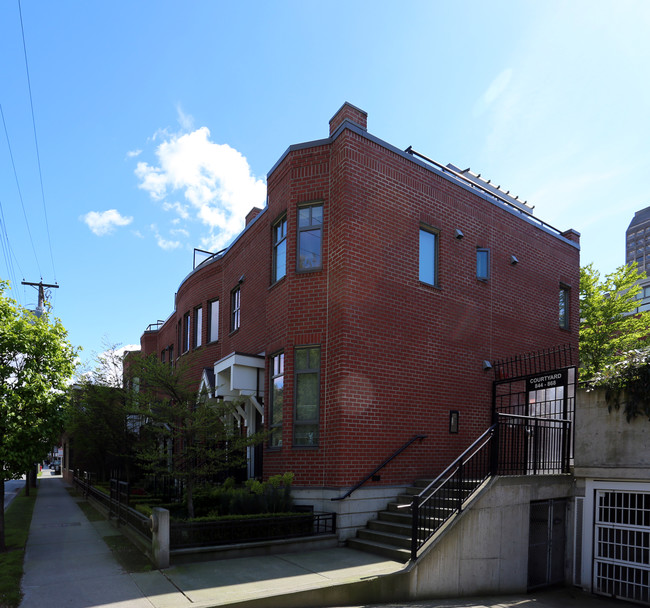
353, 512
486, 550
606, 443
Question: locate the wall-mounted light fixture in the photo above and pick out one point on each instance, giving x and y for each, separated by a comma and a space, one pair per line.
486, 365
459, 234
513, 260
241, 278
453, 421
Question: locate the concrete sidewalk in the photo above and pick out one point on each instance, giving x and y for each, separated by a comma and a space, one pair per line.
68, 564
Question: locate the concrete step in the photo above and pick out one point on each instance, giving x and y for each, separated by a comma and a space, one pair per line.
391, 552
386, 538
400, 528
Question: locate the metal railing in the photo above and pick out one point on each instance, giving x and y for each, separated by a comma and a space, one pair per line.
116, 506
514, 445
227, 532
381, 466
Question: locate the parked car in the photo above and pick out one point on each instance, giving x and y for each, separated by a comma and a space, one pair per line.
55, 467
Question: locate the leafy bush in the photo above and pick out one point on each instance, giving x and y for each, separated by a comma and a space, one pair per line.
627, 384
272, 496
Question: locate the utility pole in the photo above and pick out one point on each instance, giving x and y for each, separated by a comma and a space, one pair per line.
41, 294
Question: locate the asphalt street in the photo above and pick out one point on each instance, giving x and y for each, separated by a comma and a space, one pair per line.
12, 488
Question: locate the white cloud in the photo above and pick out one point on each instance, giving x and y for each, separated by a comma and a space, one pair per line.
164, 243
105, 222
133, 153
215, 180
179, 232
180, 209
498, 86
185, 120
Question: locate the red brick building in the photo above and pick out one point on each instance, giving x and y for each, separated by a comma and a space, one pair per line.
363, 304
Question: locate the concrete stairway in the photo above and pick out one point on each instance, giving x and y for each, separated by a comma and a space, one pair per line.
390, 533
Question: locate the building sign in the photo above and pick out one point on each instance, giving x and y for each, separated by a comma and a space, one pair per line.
548, 380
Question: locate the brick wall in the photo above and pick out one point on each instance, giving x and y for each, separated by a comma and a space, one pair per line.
396, 354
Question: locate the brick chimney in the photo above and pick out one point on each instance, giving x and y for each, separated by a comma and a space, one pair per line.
349, 112
572, 235
252, 214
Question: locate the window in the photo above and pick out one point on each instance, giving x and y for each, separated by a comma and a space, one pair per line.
310, 236
280, 249
213, 321
482, 264
275, 405
564, 306
235, 304
162, 355
198, 326
307, 396
171, 355
428, 256
186, 332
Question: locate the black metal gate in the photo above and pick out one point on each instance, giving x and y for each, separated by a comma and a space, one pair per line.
533, 401
547, 543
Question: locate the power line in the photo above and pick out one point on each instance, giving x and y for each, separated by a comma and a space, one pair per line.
20, 194
38, 156
9, 253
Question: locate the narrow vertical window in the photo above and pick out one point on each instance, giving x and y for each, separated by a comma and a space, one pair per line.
186, 332
277, 400
310, 237
198, 326
280, 249
162, 355
213, 321
307, 396
171, 355
564, 306
235, 305
482, 264
428, 256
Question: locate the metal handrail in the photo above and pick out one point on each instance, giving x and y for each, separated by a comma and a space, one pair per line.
462, 458
380, 467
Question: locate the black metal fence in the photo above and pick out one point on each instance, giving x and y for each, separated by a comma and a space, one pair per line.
185, 535
116, 504
514, 445
227, 532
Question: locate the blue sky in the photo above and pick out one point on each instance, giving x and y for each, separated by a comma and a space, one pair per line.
157, 122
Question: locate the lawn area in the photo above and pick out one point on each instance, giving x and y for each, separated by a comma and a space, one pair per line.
18, 517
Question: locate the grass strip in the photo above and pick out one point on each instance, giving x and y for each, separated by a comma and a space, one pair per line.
127, 554
18, 518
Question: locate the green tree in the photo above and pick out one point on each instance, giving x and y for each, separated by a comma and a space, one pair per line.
36, 364
609, 322
97, 419
185, 434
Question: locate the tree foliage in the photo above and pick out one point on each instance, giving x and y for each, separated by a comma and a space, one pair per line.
97, 419
609, 323
36, 364
627, 384
185, 434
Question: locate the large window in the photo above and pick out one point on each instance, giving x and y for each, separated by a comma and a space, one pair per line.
310, 237
198, 326
307, 396
277, 399
213, 321
482, 264
235, 305
564, 306
428, 256
280, 249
